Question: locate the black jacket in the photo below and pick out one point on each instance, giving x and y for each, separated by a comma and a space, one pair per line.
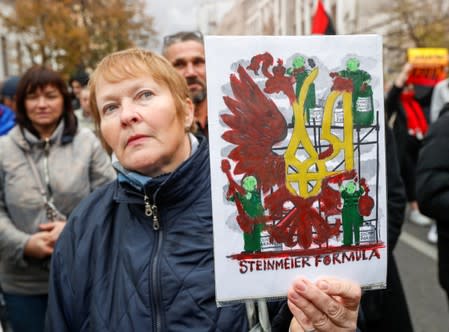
433, 187
112, 271
433, 170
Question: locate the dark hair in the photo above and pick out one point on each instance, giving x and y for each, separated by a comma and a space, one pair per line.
80, 76
182, 36
38, 77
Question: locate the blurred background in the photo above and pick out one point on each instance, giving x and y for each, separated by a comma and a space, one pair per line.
74, 34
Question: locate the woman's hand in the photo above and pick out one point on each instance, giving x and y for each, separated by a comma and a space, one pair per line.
330, 305
54, 229
39, 245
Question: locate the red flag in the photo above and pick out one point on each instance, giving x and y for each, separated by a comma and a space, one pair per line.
321, 22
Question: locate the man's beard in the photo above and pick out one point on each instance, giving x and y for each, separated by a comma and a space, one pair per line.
197, 96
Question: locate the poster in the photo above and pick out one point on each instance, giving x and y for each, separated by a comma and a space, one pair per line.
429, 65
296, 130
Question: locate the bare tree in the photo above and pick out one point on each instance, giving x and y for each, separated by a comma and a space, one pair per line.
414, 23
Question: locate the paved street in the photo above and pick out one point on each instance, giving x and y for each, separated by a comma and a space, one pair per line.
417, 263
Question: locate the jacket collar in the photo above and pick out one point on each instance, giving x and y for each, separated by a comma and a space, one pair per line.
173, 186
26, 140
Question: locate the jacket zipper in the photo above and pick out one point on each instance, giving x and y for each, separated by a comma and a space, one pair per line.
151, 211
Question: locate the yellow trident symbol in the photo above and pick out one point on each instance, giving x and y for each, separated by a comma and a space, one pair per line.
302, 175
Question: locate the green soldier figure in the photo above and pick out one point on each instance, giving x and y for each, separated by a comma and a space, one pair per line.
350, 213
362, 94
251, 220
300, 73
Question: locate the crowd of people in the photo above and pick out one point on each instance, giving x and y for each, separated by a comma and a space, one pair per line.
105, 203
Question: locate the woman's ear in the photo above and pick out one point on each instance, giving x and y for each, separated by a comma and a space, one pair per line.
189, 113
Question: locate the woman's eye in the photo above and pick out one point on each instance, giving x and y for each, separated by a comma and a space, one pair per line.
146, 95
109, 109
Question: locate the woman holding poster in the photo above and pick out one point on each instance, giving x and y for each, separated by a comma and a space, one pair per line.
144, 243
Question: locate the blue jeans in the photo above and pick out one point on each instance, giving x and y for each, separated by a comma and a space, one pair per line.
26, 312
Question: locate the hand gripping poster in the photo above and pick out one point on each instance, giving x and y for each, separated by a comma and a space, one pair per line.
297, 147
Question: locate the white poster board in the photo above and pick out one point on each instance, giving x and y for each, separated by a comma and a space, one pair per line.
297, 147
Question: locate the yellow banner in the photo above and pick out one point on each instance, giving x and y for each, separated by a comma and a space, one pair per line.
428, 57
429, 65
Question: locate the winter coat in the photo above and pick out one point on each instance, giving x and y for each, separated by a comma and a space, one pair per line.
433, 186
76, 166
131, 260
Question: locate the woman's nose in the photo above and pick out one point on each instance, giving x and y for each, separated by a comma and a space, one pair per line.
129, 113
41, 101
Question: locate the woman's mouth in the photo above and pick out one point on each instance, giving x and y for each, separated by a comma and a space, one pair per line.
136, 139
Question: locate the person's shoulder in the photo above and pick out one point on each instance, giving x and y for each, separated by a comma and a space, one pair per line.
86, 138
91, 211
438, 129
442, 83
11, 137
100, 198
84, 133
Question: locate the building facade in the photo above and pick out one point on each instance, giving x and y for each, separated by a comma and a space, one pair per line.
11, 49
294, 17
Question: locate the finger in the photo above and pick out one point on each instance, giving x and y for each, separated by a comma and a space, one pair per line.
300, 322
349, 292
303, 294
295, 326
49, 251
46, 227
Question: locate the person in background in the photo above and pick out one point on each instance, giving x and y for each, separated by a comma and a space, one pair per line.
47, 165
144, 242
7, 119
433, 187
8, 92
185, 51
7, 108
409, 127
440, 96
76, 82
83, 114
387, 309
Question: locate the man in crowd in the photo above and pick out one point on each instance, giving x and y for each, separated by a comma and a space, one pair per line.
185, 51
83, 114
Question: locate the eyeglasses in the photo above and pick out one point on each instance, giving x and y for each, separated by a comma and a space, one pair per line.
182, 36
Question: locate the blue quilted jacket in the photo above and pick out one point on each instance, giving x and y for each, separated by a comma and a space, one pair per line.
113, 269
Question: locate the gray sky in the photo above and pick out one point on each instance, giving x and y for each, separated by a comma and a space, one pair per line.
173, 15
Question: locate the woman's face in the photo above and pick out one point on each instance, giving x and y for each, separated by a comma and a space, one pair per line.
140, 123
44, 108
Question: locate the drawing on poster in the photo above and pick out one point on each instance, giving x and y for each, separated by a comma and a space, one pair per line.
297, 176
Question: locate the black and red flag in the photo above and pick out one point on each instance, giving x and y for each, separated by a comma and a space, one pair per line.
321, 22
